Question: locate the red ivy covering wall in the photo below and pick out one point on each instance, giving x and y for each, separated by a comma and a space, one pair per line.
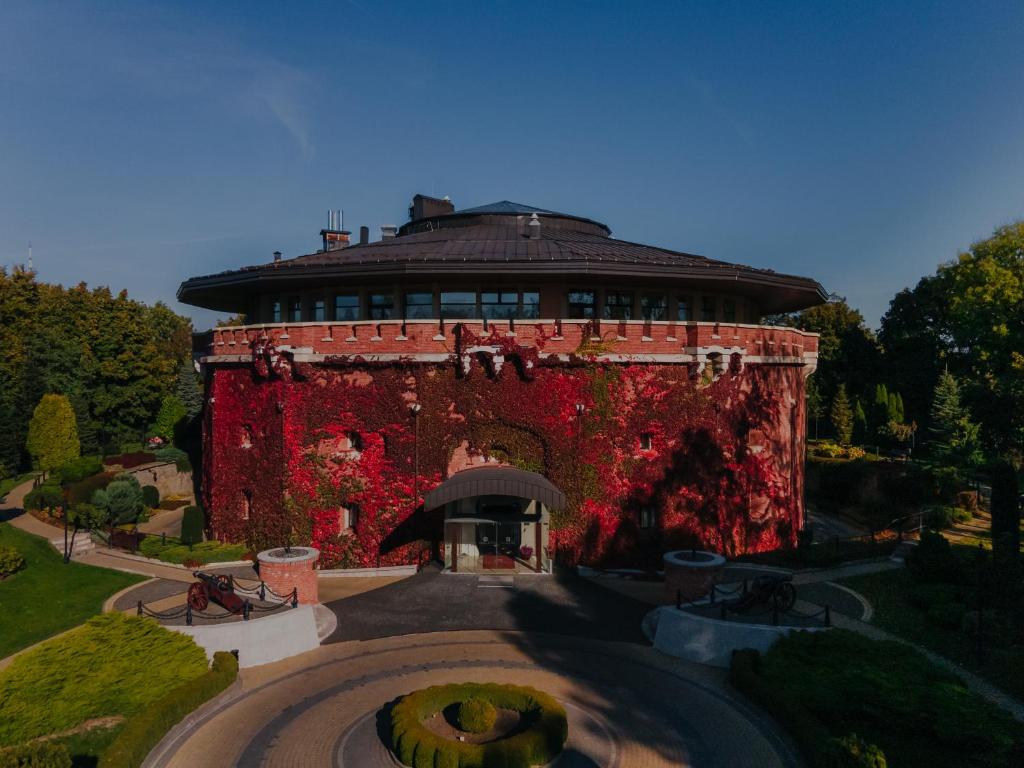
287, 446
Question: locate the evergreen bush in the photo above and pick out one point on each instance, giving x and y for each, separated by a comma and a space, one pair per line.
36, 754
477, 716
11, 561
151, 496
178, 456
78, 469
52, 433
145, 729
192, 524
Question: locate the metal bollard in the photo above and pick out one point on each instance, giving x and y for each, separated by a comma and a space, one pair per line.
188, 615
263, 591
295, 597
679, 599
828, 616
245, 610
139, 610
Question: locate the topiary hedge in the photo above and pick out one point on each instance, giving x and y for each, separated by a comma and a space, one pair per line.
37, 754
477, 716
151, 496
419, 747
144, 730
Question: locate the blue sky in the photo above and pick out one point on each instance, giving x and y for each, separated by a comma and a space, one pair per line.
858, 143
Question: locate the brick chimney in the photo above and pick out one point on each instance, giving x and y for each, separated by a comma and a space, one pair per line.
334, 237
424, 207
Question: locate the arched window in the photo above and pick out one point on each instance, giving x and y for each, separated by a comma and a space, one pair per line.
246, 504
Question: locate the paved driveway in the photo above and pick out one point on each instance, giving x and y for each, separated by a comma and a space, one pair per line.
432, 601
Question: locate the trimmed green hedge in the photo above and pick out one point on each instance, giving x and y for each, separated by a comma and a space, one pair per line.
150, 496
477, 716
145, 729
39, 754
419, 747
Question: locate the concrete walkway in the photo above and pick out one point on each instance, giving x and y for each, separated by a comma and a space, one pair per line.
629, 706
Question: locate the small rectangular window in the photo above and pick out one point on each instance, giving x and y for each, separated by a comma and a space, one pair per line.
499, 305
684, 309
458, 305
655, 307
419, 305
352, 516
581, 305
295, 309
618, 305
382, 306
707, 309
319, 314
346, 307
275, 312
648, 516
646, 441
728, 310
531, 305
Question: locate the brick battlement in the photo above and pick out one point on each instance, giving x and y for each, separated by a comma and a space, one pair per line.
606, 338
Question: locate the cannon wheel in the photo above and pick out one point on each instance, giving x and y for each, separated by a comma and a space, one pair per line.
197, 597
784, 596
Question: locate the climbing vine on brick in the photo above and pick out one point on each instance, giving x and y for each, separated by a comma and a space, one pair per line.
289, 446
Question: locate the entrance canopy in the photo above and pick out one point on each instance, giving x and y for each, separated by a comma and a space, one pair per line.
495, 481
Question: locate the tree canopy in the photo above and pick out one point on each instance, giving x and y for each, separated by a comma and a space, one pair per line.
52, 433
112, 357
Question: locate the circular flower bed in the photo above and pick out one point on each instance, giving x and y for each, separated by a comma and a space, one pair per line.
539, 737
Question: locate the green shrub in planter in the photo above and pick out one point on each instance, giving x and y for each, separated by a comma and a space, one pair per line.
36, 754
477, 716
150, 496
11, 561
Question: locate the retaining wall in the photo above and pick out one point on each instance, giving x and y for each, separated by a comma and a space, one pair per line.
259, 641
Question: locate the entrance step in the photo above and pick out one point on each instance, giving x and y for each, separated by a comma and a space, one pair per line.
495, 582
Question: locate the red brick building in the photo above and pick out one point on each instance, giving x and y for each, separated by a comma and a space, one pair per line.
502, 386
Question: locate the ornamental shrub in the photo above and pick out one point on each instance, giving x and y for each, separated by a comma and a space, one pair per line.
36, 754
172, 412
11, 560
192, 524
82, 491
122, 499
416, 745
78, 469
854, 752
49, 495
52, 433
144, 730
476, 716
178, 456
150, 496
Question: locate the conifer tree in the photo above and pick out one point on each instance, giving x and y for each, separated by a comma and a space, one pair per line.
955, 439
189, 389
52, 433
860, 423
842, 416
815, 403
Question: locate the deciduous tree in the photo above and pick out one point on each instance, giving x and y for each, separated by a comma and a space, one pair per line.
52, 433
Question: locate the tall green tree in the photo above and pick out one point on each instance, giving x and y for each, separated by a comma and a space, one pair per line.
189, 389
953, 437
860, 423
848, 352
52, 433
842, 416
171, 414
815, 404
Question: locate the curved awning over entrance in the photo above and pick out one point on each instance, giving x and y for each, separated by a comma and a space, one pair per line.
495, 481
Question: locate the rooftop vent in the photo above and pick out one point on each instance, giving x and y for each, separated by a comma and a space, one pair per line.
364, 235
388, 232
424, 207
534, 226
277, 255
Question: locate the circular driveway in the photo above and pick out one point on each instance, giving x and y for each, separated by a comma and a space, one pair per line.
630, 706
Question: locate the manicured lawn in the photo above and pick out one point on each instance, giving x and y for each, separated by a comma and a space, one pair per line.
828, 686
112, 665
47, 596
932, 618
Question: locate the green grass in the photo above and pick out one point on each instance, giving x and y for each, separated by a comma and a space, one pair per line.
920, 715
112, 665
47, 596
205, 552
900, 609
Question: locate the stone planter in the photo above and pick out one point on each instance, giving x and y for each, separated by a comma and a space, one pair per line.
690, 574
286, 569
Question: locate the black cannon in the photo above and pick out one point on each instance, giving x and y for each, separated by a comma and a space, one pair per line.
214, 588
775, 589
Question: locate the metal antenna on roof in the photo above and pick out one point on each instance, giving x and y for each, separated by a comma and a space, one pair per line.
30, 256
